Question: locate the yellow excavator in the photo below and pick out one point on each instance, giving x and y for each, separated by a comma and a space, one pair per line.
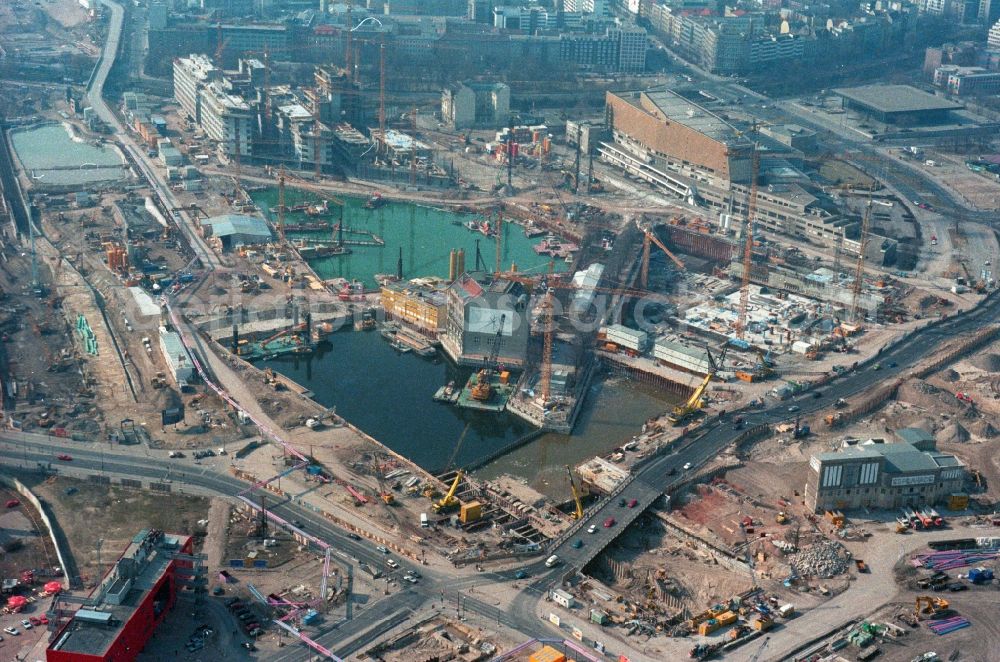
931, 606
693, 405
578, 514
448, 501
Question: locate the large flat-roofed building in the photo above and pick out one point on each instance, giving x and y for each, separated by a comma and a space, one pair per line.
230, 231
191, 75
881, 475
898, 104
672, 134
480, 307
116, 620
681, 356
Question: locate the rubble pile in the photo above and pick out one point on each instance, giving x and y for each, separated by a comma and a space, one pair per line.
824, 559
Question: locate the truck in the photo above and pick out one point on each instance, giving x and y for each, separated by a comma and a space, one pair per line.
552, 561
786, 610
424, 523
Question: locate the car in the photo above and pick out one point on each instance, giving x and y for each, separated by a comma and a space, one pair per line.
64, 457
622, 502
34, 621
256, 633
793, 409
410, 578
353, 536
592, 528
13, 503
891, 364
12, 630
633, 503
246, 617
520, 574
877, 366
232, 602
957, 586
415, 574
817, 395
382, 548
44, 619
26, 624
608, 523
672, 472
249, 646
297, 523
687, 465
251, 625
218, 590
392, 564
577, 544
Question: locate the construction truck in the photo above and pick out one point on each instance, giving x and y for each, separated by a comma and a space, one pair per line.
448, 501
932, 607
694, 404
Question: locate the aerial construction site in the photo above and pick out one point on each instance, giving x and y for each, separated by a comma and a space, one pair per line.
379, 368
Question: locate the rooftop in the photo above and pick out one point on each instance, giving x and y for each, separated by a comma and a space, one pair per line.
899, 457
674, 107
295, 111
94, 628
896, 98
228, 224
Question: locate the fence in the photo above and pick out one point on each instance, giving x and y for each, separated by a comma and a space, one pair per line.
61, 554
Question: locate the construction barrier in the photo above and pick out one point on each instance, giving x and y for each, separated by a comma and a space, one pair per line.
61, 554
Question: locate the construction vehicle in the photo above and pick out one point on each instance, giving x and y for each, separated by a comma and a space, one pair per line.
448, 501
833, 420
861, 565
932, 606
483, 389
648, 237
781, 518
159, 381
694, 404
578, 513
836, 518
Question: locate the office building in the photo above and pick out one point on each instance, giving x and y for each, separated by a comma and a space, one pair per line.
483, 312
875, 474
475, 105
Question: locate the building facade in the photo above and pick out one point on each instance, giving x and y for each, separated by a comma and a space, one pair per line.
225, 117
422, 306
483, 312
475, 105
882, 475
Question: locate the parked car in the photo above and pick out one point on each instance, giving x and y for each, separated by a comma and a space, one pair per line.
633, 503
34, 621
520, 574
249, 646
12, 630
13, 503
26, 624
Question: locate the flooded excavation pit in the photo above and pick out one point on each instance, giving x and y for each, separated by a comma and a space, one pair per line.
52, 155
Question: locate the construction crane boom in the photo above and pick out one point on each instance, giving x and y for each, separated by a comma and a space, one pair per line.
578, 514
859, 269
449, 500
741, 319
695, 402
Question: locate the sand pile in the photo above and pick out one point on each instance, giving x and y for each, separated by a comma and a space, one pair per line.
984, 430
953, 433
987, 362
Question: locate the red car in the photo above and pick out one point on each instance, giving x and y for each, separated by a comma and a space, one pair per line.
34, 621
633, 503
64, 457
13, 503
43, 619
608, 523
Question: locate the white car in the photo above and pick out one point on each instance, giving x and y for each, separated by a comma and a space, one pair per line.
592, 528
392, 564
687, 465
26, 623
12, 630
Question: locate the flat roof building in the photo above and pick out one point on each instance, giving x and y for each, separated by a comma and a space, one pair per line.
176, 356
897, 104
116, 620
880, 475
229, 231
424, 306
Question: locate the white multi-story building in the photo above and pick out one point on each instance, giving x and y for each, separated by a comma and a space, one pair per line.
226, 119
993, 40
191, 75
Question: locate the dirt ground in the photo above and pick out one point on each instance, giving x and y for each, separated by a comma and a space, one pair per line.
24, 542
96, 512
976, 189
68, 13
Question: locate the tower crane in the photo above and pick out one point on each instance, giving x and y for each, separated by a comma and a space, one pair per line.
741, 319
648, 237
859, 269
578, 513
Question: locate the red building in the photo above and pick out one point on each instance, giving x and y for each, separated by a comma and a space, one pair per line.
114, 623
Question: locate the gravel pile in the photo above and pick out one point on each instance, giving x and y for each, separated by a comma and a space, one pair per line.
824, 560
985, 430
987, 362
952, 434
